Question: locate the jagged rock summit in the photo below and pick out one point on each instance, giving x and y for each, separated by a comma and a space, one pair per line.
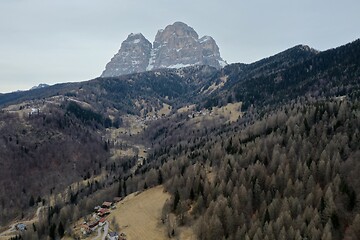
132, 57
176, 46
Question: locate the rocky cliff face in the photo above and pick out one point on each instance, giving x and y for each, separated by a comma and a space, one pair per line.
178, 45
132, 57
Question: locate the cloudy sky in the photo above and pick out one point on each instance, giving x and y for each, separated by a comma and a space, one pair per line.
54, 41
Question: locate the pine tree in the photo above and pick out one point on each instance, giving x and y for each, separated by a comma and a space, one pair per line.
266, 217
160, 177
31, 201
120, 189
61, 230
176, 200
327, 232
52, 231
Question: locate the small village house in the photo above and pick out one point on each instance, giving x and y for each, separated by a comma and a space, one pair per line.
20, 227
106, 204
93, 225
102, 212
102, 222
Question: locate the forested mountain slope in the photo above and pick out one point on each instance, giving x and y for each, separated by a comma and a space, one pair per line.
289, 175
329, 73
287, 170
121, 93
284, 168
45, 152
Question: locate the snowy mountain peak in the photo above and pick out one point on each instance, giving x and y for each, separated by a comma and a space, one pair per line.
135, 35
177, 45
41, 85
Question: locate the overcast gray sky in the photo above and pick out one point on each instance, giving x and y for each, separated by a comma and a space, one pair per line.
52, 41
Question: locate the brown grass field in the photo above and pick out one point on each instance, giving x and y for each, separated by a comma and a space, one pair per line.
138, 216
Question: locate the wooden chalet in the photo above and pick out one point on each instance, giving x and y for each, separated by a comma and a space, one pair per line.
102, 212
102, 221
93, 225
106, 204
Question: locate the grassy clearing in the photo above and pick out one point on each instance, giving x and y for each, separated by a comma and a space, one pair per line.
132, 125
216, 86
228, 113
165, 111
186, 108
232, 111
138, 215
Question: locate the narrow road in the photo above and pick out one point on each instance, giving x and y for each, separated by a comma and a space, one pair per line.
99, 234
106, 230
38, 213
12, 230
9, 231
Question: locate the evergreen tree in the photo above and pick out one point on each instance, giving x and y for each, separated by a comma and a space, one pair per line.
31, 201
61, 230
176, 200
